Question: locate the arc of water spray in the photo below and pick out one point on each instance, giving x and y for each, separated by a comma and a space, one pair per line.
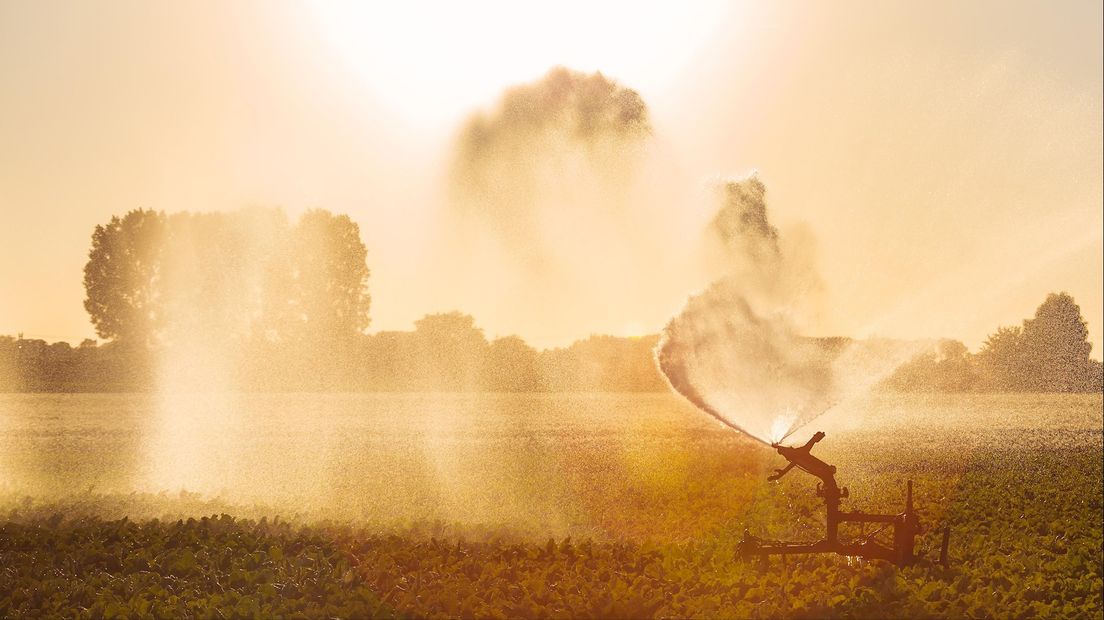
685, 390
800, 424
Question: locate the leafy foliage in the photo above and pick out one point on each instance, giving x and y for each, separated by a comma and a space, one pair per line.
1024, 508
1050, 353
154, 279
121, 275
293, 339
210, 567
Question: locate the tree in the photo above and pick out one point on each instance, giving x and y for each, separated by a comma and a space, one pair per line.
329, 296
10, 380
120, 278
946, 369
603, 363
212, 282
1050, 353
511, 366
1056, 348
450, 352
213, 273
954, 371
1000, 358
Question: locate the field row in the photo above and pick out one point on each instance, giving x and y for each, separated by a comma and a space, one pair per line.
1027, 542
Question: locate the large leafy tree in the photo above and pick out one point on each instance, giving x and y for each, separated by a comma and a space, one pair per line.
1056, 346
157, 279
328, 290
1050, 353
213, 273
121, 277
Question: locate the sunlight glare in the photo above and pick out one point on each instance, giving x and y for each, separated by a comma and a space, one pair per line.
438, 61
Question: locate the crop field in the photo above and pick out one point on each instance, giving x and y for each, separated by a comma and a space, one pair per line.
552, 506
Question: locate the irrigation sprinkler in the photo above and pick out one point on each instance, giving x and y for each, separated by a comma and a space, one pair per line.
906, 525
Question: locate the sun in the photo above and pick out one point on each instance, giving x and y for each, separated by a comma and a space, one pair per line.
435, 62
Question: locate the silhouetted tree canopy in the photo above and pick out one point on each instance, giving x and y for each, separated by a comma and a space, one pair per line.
511, 366
1049, 353
121, 278
450, 352
330, 276
999, 360
157, 279
1055, 347
293, 302
946, 369
213, 270
603, 364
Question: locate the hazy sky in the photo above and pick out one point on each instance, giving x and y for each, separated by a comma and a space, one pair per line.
943, 158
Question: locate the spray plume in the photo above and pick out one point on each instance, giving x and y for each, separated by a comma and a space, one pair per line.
559, 195
736, 351
569, 141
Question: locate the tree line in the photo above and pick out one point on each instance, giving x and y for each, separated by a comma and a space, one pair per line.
1048, 353
284, 306
445, 352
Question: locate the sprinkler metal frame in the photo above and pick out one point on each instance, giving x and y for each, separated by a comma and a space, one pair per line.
906, 524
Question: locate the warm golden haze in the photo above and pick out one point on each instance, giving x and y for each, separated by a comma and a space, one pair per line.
933, 160
488, 309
